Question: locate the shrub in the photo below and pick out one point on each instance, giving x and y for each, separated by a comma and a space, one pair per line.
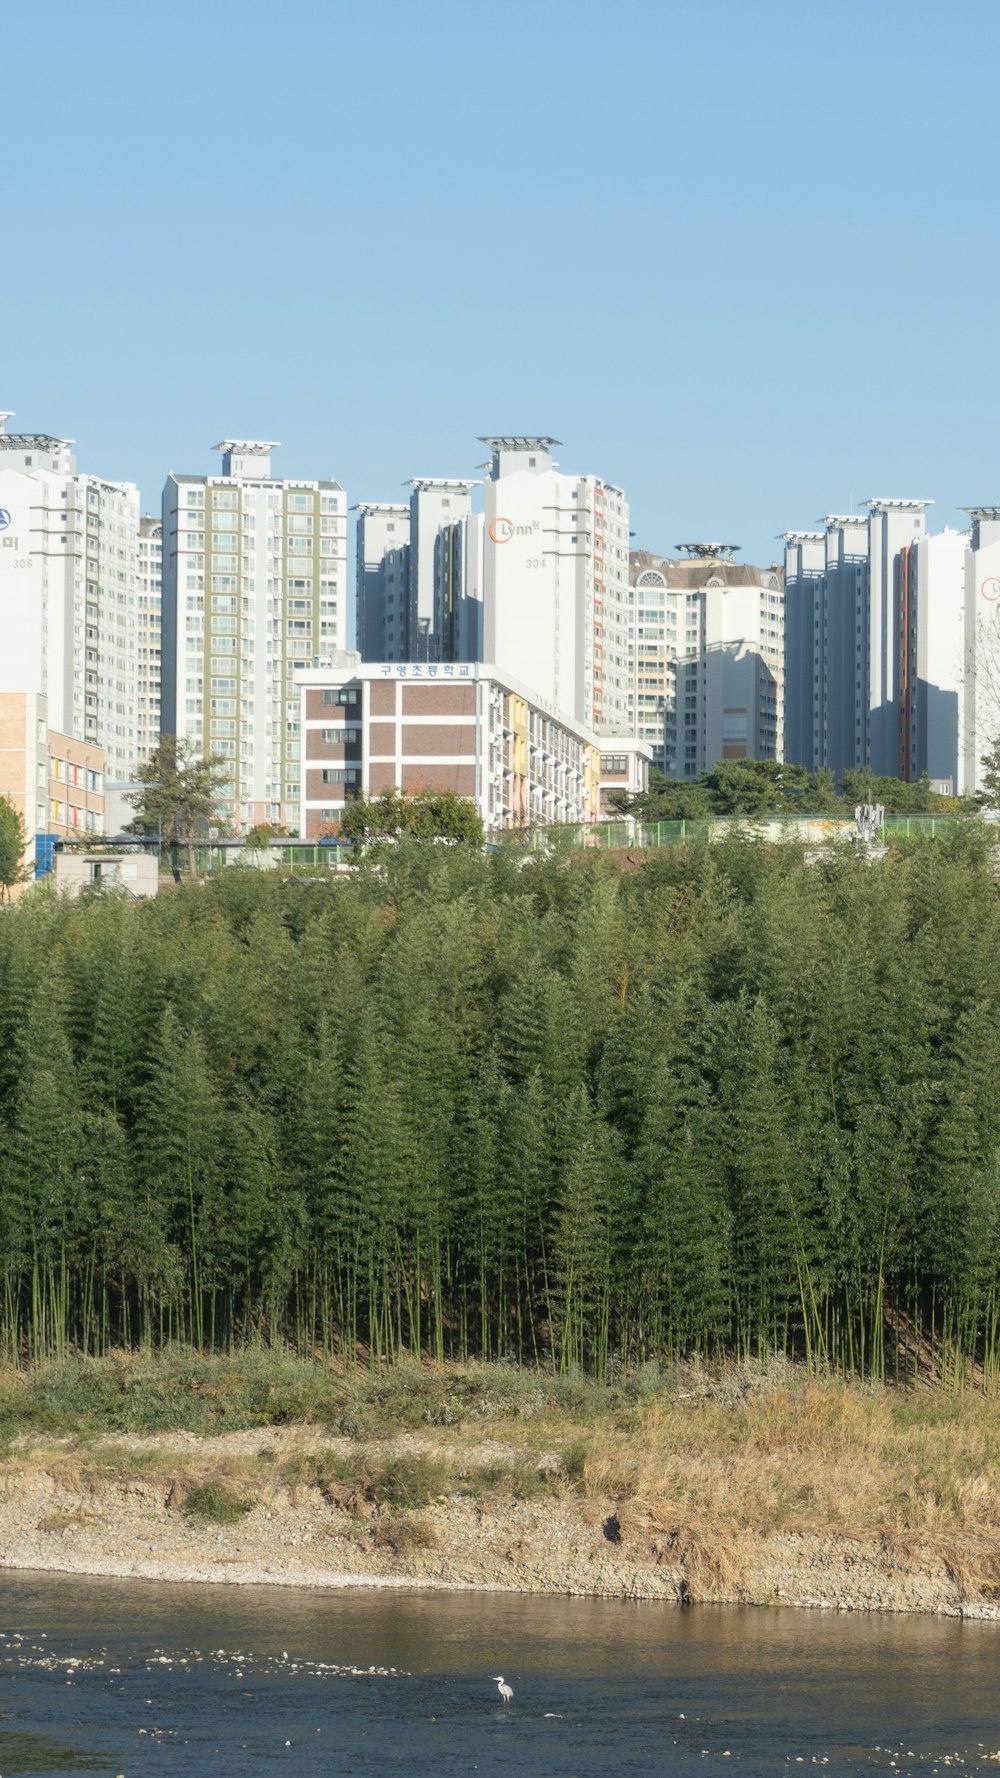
217, 1503
408, 1481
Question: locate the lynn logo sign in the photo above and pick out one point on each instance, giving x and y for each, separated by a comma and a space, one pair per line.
4, 518
502, 530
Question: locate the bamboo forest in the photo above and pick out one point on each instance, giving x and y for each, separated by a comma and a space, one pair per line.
582, 1112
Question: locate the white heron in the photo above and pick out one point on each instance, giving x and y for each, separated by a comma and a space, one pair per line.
506, 1691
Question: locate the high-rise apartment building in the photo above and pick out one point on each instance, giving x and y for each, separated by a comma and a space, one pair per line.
805, 568
709, 658
893, 525
149, 571
935, 648
826, 644
556, 595
981, 675
437, 505
254, 590
655, 655
382, 579
68, 587
538, 583
458, 589
842, 705
419, 575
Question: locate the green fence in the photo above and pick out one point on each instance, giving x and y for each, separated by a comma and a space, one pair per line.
615, 836
637, 835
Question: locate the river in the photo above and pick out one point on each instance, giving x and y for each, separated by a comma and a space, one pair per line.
136, 1678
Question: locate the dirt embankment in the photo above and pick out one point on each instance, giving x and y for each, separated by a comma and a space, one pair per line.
181, 1508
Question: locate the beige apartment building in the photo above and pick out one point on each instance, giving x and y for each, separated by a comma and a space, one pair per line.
369, 727
55, 782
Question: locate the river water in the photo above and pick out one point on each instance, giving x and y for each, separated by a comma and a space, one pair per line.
135, 1678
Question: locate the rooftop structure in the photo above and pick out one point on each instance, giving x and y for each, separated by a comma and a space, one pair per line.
880, 505
440, 484
249, 447
709, 552
516, 442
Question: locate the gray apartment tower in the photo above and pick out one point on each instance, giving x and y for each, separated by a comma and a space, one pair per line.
419, 575
845, 603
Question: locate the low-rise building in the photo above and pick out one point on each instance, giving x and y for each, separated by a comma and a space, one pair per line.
624, 770
136, 872
75, 787
368, 727
55, 783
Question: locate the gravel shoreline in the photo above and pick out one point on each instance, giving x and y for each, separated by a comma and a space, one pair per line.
59, 1515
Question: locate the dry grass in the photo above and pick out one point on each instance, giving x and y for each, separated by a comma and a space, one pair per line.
69, 1521
694, 1464
403, 1537
823, 1456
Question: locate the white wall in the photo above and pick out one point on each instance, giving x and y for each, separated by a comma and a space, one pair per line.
551, 540
22, 586
982, 638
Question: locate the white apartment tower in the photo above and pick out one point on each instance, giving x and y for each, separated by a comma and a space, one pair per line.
710, 658
149, 568
556, 595
981, 675
656, 621
254, 590
68, 585
936, 689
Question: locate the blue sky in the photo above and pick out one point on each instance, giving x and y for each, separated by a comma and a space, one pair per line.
741, 259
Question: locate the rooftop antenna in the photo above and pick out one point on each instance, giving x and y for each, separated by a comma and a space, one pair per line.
4, 417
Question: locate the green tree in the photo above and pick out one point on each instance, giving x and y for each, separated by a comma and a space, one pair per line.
821, 798
12, 866
430, 814
991, 776
179, 794
670, 800
755, 786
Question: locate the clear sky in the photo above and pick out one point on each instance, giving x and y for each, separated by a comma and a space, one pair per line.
742, 259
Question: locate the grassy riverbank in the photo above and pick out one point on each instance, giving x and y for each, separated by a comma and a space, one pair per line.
686, 1475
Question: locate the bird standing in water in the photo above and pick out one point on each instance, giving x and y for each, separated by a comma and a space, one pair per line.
506, 1691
